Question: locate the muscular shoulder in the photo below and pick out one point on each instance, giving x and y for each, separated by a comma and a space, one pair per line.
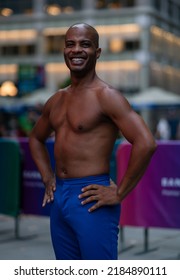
111, 100
52, 102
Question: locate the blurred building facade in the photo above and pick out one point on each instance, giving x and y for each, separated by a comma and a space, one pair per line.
140, 40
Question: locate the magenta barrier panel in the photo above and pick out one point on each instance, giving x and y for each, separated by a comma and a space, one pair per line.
155, 202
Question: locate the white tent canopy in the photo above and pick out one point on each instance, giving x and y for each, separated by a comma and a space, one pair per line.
149, 97
154, 96
38, 96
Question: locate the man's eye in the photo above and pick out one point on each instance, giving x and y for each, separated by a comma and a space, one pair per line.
86, 45
69, 45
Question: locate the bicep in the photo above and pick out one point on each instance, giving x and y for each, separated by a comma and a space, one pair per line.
133, 127
42, 129
130, 124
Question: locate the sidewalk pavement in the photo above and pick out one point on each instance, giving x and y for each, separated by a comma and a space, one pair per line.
34, 241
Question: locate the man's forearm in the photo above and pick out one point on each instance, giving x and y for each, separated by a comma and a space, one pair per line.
138, 163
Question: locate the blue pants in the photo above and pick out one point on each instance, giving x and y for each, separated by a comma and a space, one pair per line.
77, 234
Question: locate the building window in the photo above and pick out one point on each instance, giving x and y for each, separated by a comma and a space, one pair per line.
54, 44
9, 50
164, 76
30, 49
56, 7
165, 44
129, 3
111, 4
114, 4
17, 50
156, 4
117, 45
132, 45
11, 7
170, 7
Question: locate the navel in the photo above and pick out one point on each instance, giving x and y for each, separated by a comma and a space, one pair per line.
64, 170
80, 127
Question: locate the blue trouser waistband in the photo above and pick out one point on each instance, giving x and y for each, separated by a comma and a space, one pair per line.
84, 180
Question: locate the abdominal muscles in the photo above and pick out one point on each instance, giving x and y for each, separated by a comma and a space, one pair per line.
83, 153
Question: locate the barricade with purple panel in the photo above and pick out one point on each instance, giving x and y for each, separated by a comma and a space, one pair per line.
33, 188
155, 202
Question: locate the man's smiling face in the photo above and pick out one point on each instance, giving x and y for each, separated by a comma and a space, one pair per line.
81, 50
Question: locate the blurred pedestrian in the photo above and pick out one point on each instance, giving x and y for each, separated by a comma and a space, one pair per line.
163, 130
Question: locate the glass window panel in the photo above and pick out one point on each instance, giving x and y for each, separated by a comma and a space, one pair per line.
17, 6
170, 7
114, 4
76, 5
18, 50
54, 44
156, 4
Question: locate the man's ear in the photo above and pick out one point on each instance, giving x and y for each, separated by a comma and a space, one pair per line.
98, 52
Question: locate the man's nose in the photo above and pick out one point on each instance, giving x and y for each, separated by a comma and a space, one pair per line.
77, 48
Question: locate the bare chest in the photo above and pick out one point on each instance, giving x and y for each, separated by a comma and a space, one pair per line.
79, 116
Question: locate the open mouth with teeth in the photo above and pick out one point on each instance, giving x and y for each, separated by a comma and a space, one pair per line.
77, 60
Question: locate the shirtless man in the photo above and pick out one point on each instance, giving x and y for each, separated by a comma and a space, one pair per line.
86, 118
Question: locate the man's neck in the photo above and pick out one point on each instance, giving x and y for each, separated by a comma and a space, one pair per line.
77, 79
